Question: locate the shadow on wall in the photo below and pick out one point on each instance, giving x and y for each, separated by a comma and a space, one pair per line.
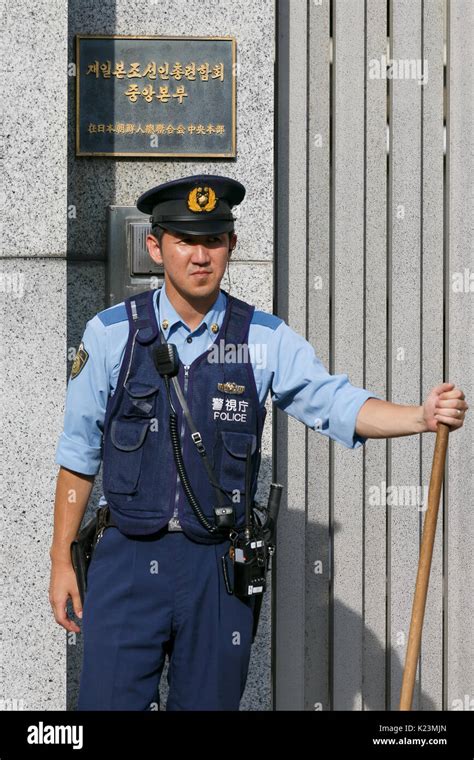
350, 622
351, 635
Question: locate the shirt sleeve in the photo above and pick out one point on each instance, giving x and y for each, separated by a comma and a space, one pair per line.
80, 444
303, 388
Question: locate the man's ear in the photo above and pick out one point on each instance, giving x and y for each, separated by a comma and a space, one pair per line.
232, 243
154, 249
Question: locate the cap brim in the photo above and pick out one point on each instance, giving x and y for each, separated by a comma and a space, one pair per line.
203, 228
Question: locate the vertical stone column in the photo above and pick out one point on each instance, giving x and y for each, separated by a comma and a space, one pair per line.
33, 342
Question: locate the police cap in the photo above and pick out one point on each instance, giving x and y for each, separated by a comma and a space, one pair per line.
196, 205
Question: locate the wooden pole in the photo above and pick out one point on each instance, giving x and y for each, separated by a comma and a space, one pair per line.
424, 567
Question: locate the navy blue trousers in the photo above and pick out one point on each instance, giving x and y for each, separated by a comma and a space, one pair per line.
152, 596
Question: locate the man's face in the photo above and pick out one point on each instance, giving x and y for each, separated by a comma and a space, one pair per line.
194, 264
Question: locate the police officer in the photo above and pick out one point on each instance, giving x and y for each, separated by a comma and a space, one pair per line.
155, 581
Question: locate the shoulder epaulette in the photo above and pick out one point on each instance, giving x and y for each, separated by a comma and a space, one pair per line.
266, 319
113, 314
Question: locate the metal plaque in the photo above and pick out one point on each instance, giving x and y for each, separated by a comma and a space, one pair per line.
155, 96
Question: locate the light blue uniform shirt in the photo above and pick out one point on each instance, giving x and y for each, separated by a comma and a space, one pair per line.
284, 364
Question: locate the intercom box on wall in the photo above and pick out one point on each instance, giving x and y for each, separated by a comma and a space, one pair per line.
130, 268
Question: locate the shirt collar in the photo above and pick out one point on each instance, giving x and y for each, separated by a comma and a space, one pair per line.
172, 320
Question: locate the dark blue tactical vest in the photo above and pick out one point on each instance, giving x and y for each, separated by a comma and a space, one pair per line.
139, 473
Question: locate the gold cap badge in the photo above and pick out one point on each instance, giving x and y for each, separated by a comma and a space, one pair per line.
202, 199
230, 388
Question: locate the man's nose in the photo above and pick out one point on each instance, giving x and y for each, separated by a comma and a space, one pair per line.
200, 252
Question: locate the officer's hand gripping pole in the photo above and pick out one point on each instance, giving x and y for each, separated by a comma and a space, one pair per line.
166, 362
